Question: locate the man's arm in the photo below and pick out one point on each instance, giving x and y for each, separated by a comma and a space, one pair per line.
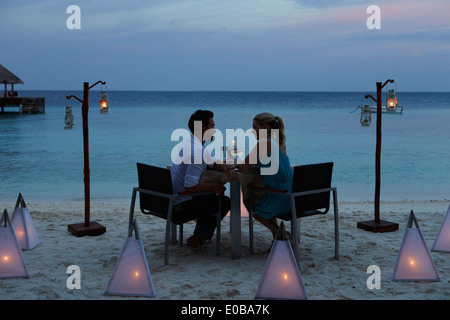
192, 181
222, 167
207, 186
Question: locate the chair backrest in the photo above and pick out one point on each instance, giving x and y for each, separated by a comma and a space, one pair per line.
312, 177
154, 179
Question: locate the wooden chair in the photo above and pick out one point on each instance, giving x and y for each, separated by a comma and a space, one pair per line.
156, 198
311, 188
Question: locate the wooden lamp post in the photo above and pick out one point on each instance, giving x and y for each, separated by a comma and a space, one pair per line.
87, 228
378, 225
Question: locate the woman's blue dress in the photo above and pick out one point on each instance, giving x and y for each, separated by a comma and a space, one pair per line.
272, 205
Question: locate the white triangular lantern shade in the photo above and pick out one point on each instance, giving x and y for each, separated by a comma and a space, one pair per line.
23, 225
12, 262
281, 278
131, 275
442, 241
414, 262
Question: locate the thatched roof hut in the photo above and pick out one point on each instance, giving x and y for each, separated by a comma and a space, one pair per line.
11, 98
7, 77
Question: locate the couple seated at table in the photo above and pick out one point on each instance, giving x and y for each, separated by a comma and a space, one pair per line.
187, 173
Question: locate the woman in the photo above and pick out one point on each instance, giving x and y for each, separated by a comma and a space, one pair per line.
269, 132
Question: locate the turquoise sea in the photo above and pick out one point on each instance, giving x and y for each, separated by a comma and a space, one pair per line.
45, 162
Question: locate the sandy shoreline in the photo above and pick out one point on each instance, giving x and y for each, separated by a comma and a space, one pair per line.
202, 275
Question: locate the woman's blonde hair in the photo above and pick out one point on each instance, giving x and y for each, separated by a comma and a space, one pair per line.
274, 122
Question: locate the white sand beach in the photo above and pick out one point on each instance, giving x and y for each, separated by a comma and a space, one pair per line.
201, 275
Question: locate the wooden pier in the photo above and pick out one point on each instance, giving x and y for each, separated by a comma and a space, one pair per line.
11, 98
22, 105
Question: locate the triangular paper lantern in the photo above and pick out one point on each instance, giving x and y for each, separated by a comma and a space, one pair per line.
131, 276
281, 278
23, 225
414, 262
12, 263
442, 241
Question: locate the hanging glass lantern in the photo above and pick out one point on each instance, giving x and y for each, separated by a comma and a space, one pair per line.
391, 100
12, 262
68, 119
104, 104
414, 262
366, 116
281, 278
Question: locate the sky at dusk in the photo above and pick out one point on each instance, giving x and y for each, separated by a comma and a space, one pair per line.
215, 45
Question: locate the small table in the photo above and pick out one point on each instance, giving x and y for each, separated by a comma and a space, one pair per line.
245, 178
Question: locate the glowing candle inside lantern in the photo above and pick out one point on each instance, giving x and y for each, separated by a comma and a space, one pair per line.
131, 276
5, 258
414, 262
281, 278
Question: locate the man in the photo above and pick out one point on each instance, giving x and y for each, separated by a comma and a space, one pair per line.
186, 174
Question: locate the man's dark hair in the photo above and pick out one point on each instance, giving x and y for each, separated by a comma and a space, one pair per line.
200, 115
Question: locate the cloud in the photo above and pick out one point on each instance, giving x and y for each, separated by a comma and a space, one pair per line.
203, 15
139, 16
333, 3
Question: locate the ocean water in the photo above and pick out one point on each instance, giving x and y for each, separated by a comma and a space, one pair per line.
45, 162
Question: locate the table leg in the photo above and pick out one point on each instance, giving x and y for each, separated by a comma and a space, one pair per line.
235, 219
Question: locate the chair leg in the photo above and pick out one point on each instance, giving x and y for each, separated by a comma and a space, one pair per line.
180, 242
295, 227
167, 236
173, 234
133, 201
250, 223
219, 220
166, 242
336, 225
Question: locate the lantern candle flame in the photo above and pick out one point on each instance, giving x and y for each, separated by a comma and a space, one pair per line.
104, 105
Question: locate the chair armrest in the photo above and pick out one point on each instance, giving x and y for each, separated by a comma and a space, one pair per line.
155, 193
166, 195
305, 193
189, 193
296, 194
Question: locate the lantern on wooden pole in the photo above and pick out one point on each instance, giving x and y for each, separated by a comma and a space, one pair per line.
366, 116
104, 104
87, 228
68, 119
378, 225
